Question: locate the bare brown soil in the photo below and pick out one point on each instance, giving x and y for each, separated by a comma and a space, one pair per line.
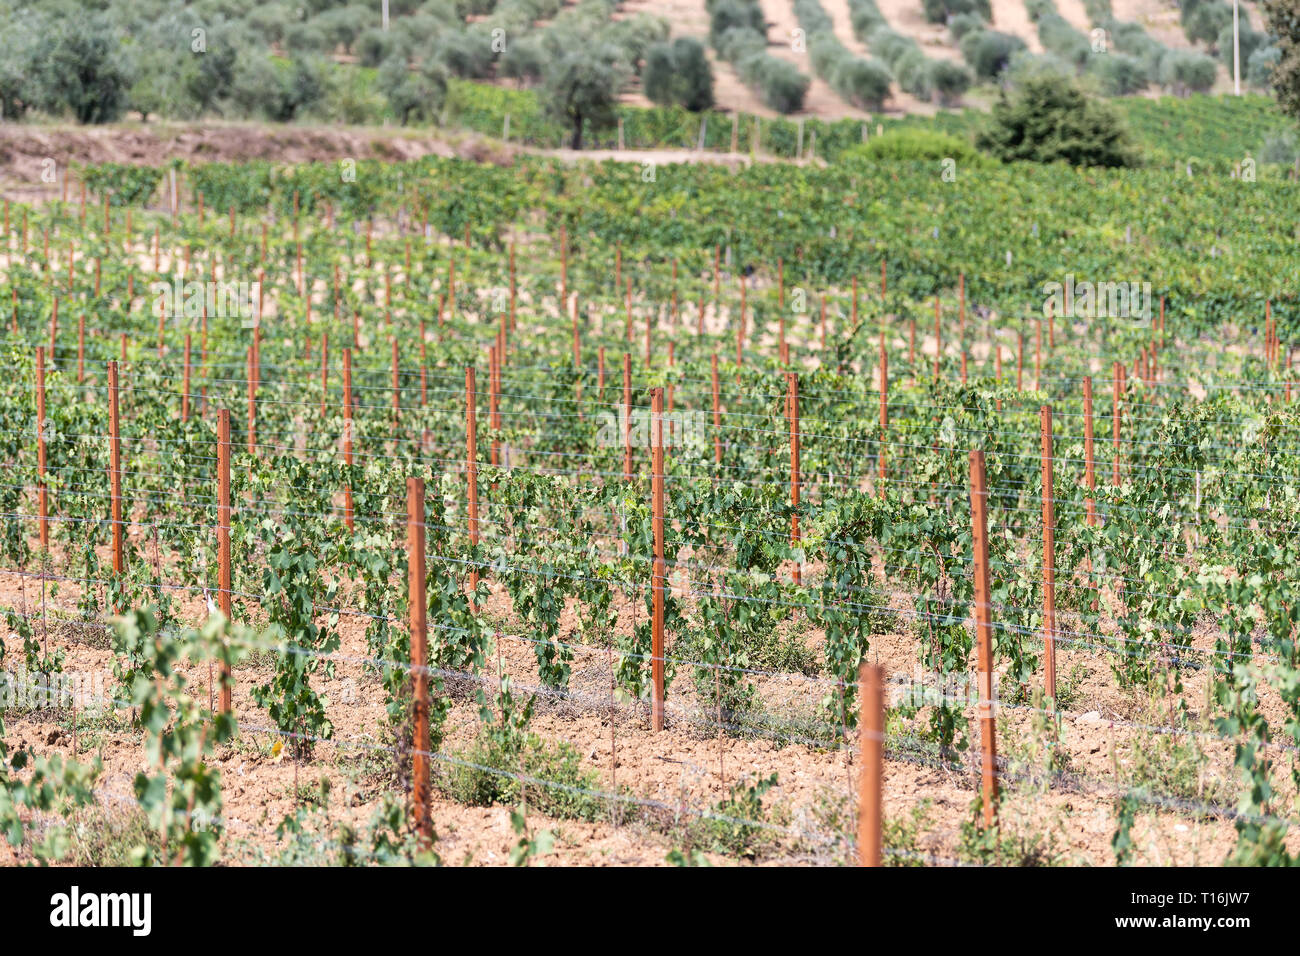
673, 776
24, 148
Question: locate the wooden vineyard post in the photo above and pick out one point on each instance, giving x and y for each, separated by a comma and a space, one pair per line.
471, 466
185, 382
42, 492
223, 537
419, 633
871, 718
347, 433
984, 636
792, 406
1115, 387
659, 578
717, 412
115, 470
627, 416
1049, 561
1090, 470
884, 409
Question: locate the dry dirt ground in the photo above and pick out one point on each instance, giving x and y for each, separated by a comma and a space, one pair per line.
1109, 739
689, 18
25, 148
668, 776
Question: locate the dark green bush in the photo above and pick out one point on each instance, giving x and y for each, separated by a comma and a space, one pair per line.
1051, 120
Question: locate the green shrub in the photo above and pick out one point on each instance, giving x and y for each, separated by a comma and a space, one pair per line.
964, 23
941, 11
374, 46
1247, 39
863, 81
1051, 120
416, 94
989, 52
913, 144
1280, 149
467, 53
1259, 68
1119, 74
864, 18
890, 46
1206, 20
913, 73
1058, 36
342, 25
1185, 71
635, 35
734, 14
306, 37
949, 81
1025, 66
523, 61
581, 90
678, 73
79, 68
783, 86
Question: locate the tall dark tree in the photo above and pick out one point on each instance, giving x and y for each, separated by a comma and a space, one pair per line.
1284, 23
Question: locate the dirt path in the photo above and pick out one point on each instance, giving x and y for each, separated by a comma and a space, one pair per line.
908, 18
24, 148
1074, 14
1010, 16
689, 18
821, 99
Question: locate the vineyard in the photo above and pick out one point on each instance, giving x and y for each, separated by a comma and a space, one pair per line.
370, 513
